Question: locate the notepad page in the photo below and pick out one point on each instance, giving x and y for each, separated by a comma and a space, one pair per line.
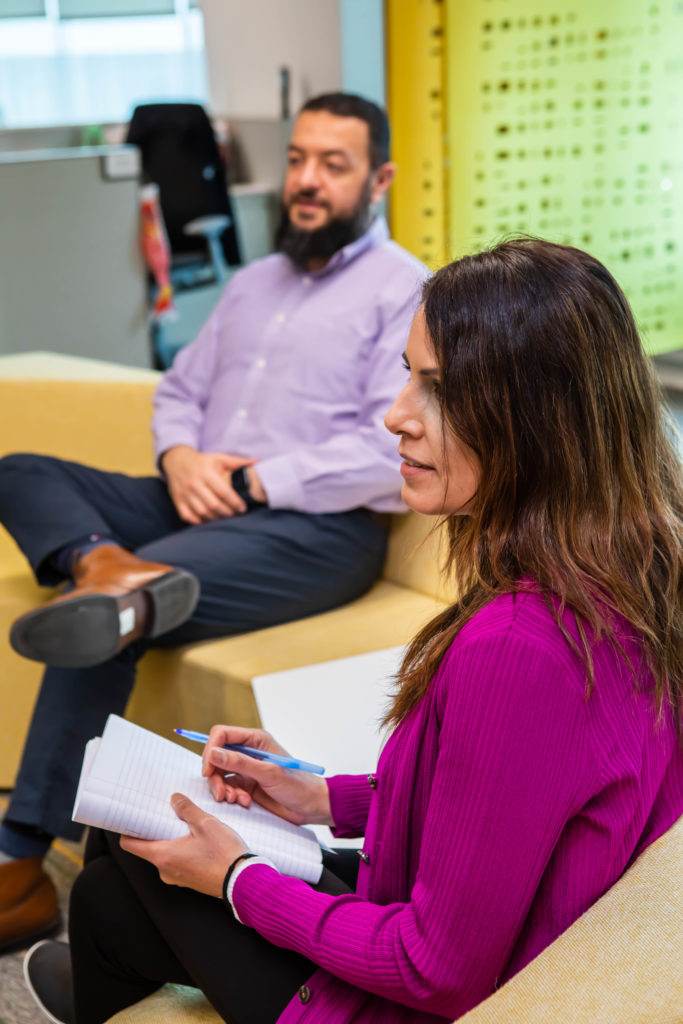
127, 782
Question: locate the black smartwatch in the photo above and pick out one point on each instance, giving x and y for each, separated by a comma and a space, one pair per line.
240, 484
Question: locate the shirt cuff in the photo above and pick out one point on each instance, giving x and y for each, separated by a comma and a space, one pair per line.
242, 866
281, 483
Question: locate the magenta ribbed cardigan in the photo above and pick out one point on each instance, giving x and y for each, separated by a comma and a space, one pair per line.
506, 803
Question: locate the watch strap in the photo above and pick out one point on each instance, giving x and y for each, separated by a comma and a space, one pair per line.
240, 484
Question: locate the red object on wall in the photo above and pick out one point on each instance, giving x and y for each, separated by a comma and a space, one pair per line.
156, 250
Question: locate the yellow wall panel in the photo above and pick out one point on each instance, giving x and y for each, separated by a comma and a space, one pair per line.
415, 38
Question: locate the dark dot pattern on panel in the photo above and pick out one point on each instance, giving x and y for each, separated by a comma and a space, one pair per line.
580, 139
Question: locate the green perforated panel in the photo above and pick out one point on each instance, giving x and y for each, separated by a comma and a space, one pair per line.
565, 120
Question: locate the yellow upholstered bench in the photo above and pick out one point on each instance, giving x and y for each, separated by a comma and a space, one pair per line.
106, 423
620, 963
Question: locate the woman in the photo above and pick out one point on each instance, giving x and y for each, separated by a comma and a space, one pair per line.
535, 750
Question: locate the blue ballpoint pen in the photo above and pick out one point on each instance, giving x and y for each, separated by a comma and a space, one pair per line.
262, 755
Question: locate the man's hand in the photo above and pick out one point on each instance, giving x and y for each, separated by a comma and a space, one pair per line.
199, 860
199, 483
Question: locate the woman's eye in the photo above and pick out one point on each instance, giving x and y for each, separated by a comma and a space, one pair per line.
406, 364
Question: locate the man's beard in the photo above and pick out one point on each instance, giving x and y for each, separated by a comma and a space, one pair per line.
321, 243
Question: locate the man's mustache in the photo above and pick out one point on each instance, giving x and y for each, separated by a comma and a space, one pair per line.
307, 196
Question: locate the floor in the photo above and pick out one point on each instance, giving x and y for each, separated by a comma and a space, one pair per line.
16, 1005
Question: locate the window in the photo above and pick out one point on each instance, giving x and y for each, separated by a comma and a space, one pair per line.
68, 62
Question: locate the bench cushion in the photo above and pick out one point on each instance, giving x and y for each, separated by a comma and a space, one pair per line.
212, 680
106, 423
209, 682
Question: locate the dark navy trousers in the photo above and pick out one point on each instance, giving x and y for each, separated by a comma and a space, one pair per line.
255, 570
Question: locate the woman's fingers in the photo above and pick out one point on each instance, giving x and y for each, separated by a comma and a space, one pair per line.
229, 789
263, 772
222, 735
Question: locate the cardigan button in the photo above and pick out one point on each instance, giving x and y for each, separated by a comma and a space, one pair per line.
304, 994
365, 857
372, 779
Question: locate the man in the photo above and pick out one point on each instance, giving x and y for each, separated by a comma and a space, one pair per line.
276, 473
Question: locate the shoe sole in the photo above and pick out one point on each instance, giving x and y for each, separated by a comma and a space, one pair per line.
30, 986
86, 631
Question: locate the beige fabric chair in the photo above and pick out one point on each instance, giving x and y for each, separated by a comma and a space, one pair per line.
106, 423
620, 963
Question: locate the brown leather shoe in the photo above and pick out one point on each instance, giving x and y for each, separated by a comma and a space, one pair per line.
117, 598
28, 902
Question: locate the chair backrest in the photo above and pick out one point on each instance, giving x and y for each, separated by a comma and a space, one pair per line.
180, 154
415, 556
620, 963
52, 417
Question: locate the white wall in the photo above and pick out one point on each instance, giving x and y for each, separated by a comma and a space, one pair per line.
247, 42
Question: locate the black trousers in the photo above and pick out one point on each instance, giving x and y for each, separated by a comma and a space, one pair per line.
130, 933
255, 570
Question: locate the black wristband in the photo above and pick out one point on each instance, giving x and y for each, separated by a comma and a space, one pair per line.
228, 875
240, 484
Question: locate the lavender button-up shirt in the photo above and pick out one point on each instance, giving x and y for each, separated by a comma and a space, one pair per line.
298, 370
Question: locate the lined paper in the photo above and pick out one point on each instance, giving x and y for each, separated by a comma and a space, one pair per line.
126, 783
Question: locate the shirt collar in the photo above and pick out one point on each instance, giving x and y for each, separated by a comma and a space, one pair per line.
377, 233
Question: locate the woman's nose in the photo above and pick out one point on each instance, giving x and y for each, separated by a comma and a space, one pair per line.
398, 416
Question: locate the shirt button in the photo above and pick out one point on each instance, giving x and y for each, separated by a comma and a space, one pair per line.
365, 857
305, 994
242, 413
279, 318
372, 780
260, 363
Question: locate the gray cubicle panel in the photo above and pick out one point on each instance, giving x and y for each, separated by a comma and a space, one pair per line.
72, 279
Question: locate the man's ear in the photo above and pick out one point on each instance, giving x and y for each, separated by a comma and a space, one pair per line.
381, 180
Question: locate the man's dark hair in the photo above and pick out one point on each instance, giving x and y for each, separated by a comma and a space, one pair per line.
345, 104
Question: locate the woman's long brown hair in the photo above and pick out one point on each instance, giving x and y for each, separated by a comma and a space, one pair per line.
543, 375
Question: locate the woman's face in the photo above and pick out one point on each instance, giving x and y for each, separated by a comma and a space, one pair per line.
440, 473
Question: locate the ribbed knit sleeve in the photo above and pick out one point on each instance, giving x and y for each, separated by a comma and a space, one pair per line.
350, 797
513, 764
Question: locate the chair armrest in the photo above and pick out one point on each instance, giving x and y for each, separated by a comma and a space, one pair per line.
210, 227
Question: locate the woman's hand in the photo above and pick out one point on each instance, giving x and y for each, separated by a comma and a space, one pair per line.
199, 860
296, 796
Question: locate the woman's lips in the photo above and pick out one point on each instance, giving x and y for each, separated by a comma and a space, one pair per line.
410, 468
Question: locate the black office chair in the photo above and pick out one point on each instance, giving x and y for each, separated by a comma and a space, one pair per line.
180, 155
